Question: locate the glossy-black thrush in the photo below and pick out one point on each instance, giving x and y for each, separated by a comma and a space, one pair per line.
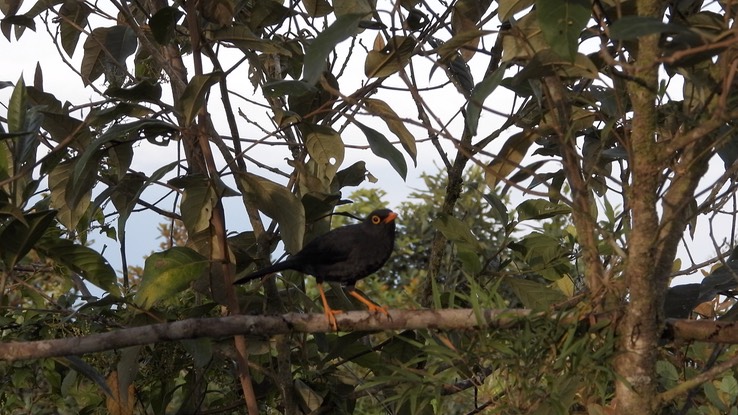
346, 255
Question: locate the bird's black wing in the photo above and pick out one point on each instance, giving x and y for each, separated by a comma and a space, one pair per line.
280, 266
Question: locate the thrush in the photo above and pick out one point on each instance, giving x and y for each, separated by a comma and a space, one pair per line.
345, 255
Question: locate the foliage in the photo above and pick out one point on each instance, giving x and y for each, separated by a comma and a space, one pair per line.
264, 105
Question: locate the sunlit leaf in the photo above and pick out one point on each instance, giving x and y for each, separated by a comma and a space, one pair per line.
168, 273
278, 203
395, 124
193, 97
69, 215
326, 149
509, 157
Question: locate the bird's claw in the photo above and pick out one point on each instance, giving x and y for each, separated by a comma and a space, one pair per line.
378, 309
331, 315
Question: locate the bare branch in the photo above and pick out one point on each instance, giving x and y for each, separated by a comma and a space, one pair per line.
217, 327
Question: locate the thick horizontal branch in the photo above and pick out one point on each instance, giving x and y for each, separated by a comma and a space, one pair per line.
453, 319
350, 321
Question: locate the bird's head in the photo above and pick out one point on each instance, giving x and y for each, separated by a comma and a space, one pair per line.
381, 216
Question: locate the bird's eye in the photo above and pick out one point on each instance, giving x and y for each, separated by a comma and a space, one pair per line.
376, 219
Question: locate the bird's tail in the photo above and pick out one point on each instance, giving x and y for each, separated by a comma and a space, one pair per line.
262, 272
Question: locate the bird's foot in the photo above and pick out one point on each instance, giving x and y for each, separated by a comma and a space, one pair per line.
331, 315
373, 308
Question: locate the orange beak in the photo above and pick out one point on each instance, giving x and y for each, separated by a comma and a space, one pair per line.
390, 217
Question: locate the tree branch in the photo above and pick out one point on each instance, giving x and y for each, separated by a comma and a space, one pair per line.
217, 327
350, 321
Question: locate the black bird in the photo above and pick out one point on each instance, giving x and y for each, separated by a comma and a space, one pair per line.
346, 255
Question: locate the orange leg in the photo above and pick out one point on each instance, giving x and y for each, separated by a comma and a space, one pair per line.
329, 312
370, 305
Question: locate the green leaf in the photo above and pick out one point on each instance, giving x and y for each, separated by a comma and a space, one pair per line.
72, 16
278, 203
142, 91
84, 177
69, 214
381, 147
326, 148
198, 201
395, 124
18, 107
317, 53
391, 58
18, 237
540, 209
633, 27
456, 231
106, 51
168, 273
509, 157
193, 97
508, 8
83, 260
535, 295
200, 349
87, 370
480, 93
243, 38
288, 87
562, 22
163, 24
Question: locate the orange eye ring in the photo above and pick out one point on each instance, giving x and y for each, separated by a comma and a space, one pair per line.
376, 220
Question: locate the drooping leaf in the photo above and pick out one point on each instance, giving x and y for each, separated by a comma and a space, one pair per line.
509, 157
85, 261
381, 147
125, 196
480, 93
198, 201
193, 97
168, 273
87, 370
73, 16
18, 237
465, 18
69, 214
395, 124
324, 44
278, 203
